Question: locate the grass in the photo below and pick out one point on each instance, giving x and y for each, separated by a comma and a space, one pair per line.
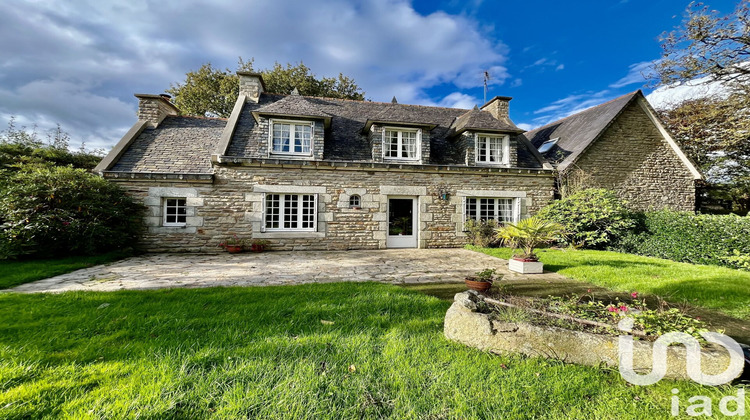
264, 353
14, 273
718, 288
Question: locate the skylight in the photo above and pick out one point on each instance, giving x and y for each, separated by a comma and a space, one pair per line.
547, 145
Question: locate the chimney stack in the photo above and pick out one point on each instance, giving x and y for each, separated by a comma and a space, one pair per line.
251, 85
498, 107
154, 108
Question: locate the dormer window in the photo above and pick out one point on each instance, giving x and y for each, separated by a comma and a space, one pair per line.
492, 149
401, 144
291, 138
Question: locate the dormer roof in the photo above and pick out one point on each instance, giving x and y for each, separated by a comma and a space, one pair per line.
293, 106
482, 121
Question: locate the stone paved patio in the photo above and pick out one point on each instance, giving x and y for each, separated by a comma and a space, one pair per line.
155, 271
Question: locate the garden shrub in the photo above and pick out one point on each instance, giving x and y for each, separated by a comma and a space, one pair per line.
51, 211
687, 237
481, 233
593, 218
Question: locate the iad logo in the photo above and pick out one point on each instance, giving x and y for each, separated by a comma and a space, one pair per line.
702, 405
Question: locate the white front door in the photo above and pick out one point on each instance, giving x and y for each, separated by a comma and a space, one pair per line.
402, 222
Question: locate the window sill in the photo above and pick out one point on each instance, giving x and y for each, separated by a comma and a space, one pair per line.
290, 156
288, 234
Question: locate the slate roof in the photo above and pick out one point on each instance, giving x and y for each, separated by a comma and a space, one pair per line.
184, 145
180, 145
477, 119
578, 131
346, 139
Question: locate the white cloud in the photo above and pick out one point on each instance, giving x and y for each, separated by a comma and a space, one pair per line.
524, 126
560, 67
458, 100
637, 74
570, 105
670, 96
96, 54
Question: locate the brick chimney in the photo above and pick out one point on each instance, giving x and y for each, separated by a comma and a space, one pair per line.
498, 107
154, 108
251, 85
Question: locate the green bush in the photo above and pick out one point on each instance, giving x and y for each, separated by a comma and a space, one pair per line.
481, 233
698, 239
52, 211
593, 218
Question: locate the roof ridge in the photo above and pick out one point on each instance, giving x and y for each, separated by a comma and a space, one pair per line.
198, 117
585, 110
371, 102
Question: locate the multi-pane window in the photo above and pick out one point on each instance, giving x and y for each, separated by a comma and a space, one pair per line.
291, 138
290, 212
400, 144
354, 201
501, 210
492, 149
175, 212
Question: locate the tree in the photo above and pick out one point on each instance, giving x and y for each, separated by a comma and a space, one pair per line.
709, 48
212, 92
715, 134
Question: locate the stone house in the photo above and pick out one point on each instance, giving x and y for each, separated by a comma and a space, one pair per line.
623, 146
326, 174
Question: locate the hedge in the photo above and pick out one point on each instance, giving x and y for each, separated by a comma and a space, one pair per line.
49, 211
687, 237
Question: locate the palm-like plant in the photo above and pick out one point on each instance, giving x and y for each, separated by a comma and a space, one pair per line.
528, 234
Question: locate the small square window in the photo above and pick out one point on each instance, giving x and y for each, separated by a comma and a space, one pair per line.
175, 212
492, 149
291, 138
401, 144
354, 201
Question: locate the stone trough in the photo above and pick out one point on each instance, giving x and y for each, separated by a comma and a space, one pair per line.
465, 323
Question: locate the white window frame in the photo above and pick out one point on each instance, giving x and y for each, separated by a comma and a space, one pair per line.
177, 206
505, 146
292, 124
401, 131
282, 206
514, 202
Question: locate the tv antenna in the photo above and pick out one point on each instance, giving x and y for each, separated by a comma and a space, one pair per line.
486, 79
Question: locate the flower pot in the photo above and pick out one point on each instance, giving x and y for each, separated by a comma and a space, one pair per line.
257, 248
479, 286
234, 249
525, 266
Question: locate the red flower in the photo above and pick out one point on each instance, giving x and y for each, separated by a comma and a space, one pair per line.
634, 295
611, 309
624, 308
66, 223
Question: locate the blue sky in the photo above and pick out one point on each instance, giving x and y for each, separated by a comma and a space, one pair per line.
79, 62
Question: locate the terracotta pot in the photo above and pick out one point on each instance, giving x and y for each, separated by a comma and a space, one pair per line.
257, 248
479, 286
234, 249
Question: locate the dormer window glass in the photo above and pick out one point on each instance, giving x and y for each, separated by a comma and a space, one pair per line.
401, 144
291, 138
492, 149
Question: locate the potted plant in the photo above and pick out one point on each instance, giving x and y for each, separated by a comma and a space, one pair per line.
481, 281
233, 245
258, 245
527, 235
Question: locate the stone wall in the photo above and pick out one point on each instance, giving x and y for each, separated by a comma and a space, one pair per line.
633, 159
233, 204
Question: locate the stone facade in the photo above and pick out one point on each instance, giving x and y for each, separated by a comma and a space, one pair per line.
233, 203
632, 158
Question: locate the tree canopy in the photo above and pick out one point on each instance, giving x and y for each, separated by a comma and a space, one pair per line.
708, 47
212, 92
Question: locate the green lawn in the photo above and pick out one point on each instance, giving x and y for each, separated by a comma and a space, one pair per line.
13, 273
712, 287
264, 353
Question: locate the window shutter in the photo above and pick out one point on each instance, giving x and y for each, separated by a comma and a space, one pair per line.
263, 214
463, 211
516, 210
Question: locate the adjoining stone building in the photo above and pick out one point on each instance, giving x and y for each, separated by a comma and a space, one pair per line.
325, 174
623, 146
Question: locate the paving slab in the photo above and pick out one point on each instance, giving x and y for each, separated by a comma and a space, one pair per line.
395, 266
